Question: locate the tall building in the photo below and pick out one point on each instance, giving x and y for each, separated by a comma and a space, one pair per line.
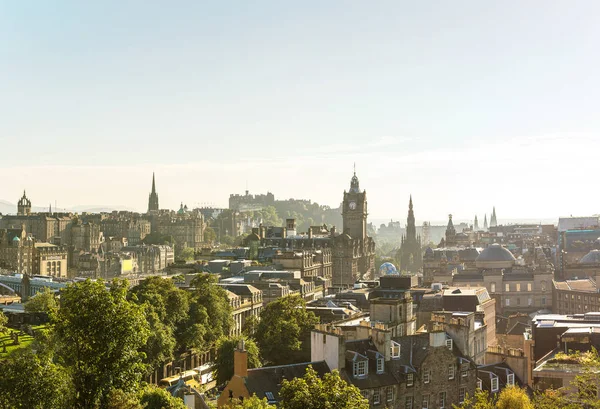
24, 206
476, 224
353, 250
493, 221
153, 199
485, 224
410, 250
450, 233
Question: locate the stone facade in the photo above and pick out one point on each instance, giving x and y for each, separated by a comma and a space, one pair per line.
410, 255
50, 260
16, 250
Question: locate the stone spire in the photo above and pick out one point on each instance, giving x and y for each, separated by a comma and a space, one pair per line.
153, 199
411, 229
493, 221
450, 233
485, 225
476, 224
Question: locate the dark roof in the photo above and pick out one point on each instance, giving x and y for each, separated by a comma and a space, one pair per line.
593, 257
365, 349
500, 370
268, 379
518, 329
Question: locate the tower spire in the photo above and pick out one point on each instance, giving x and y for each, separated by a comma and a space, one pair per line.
153, 184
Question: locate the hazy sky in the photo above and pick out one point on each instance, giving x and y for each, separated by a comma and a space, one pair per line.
464, 104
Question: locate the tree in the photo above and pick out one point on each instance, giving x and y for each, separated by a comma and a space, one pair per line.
206, 295
224, 360
513, 397
284, 325
157, 238
99, 335
209, 235
250, 403
227, 240
3, 322
250, 326
310, 391
153, 397
44, 301
32, 381
481, 400
186, 253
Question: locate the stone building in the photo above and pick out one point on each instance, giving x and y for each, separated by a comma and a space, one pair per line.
395, 313
468, 330
186, 227
16, 250
410, 254
24, 206
576, 296
153, 198
310, 262
246, 301
85, 236
151, 259
50, 260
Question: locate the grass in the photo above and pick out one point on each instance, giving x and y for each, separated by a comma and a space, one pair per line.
24, 341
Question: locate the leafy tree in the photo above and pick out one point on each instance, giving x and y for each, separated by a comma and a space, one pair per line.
250, 326
99, 334
3, 322
153, 397
224, 361
157, 238
209, 235
213, 299
32, 381
481, 400
551, 399
284, 325
186, 253
513, 398
250, 403
118, 399
227, 240
44, 301
310, 391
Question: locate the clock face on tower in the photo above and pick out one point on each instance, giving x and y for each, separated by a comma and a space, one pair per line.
352, 205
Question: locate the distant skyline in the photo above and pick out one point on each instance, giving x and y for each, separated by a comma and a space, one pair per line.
465, 105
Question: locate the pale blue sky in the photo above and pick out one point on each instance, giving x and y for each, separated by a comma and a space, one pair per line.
464, 104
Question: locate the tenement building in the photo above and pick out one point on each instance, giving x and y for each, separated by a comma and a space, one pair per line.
16, 250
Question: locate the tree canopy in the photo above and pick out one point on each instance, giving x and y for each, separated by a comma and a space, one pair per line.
310, 391
250, 403
99, 336
284, 326
44, 301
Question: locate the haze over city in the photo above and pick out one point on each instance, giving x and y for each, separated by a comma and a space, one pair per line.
464, 105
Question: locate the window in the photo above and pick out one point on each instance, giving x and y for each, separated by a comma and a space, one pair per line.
389, 393
379, 365
530, 301
395, 350
408, 402
510, 379
410, 379
425, 404
365, 394
442, 400
492, 287
495, 384
518, 286
376, 397
269, 396
543, 300
360, 368
528, 286
426, 376
507, 302
461, 395
449, 344
518, 301
451, 371
479, 384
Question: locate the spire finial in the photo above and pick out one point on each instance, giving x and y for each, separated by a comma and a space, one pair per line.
354, 168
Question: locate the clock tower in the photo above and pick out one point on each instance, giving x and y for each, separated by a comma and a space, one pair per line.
354, 210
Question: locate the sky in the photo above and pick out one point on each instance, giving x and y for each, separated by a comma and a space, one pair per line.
465, 104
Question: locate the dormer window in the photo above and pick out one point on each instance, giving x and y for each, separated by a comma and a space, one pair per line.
395, 350
360, 368
495, 384
379, 365
510, 379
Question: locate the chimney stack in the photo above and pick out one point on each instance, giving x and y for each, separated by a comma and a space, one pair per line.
240, 360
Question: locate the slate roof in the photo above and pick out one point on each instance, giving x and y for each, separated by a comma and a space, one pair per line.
500, 370
361, 350
269, 379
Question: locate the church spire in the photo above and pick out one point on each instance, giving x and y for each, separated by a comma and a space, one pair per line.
153, 199
153, 184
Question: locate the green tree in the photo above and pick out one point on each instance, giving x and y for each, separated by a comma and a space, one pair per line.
32, 381
186, 253
513, 397
99, 335
251, 403
224, 361
250, 326
481, 400
209, 235
157, 238
44, 301
227, 240
3, 322
310, 391
153, 397
207, 296
284, 326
